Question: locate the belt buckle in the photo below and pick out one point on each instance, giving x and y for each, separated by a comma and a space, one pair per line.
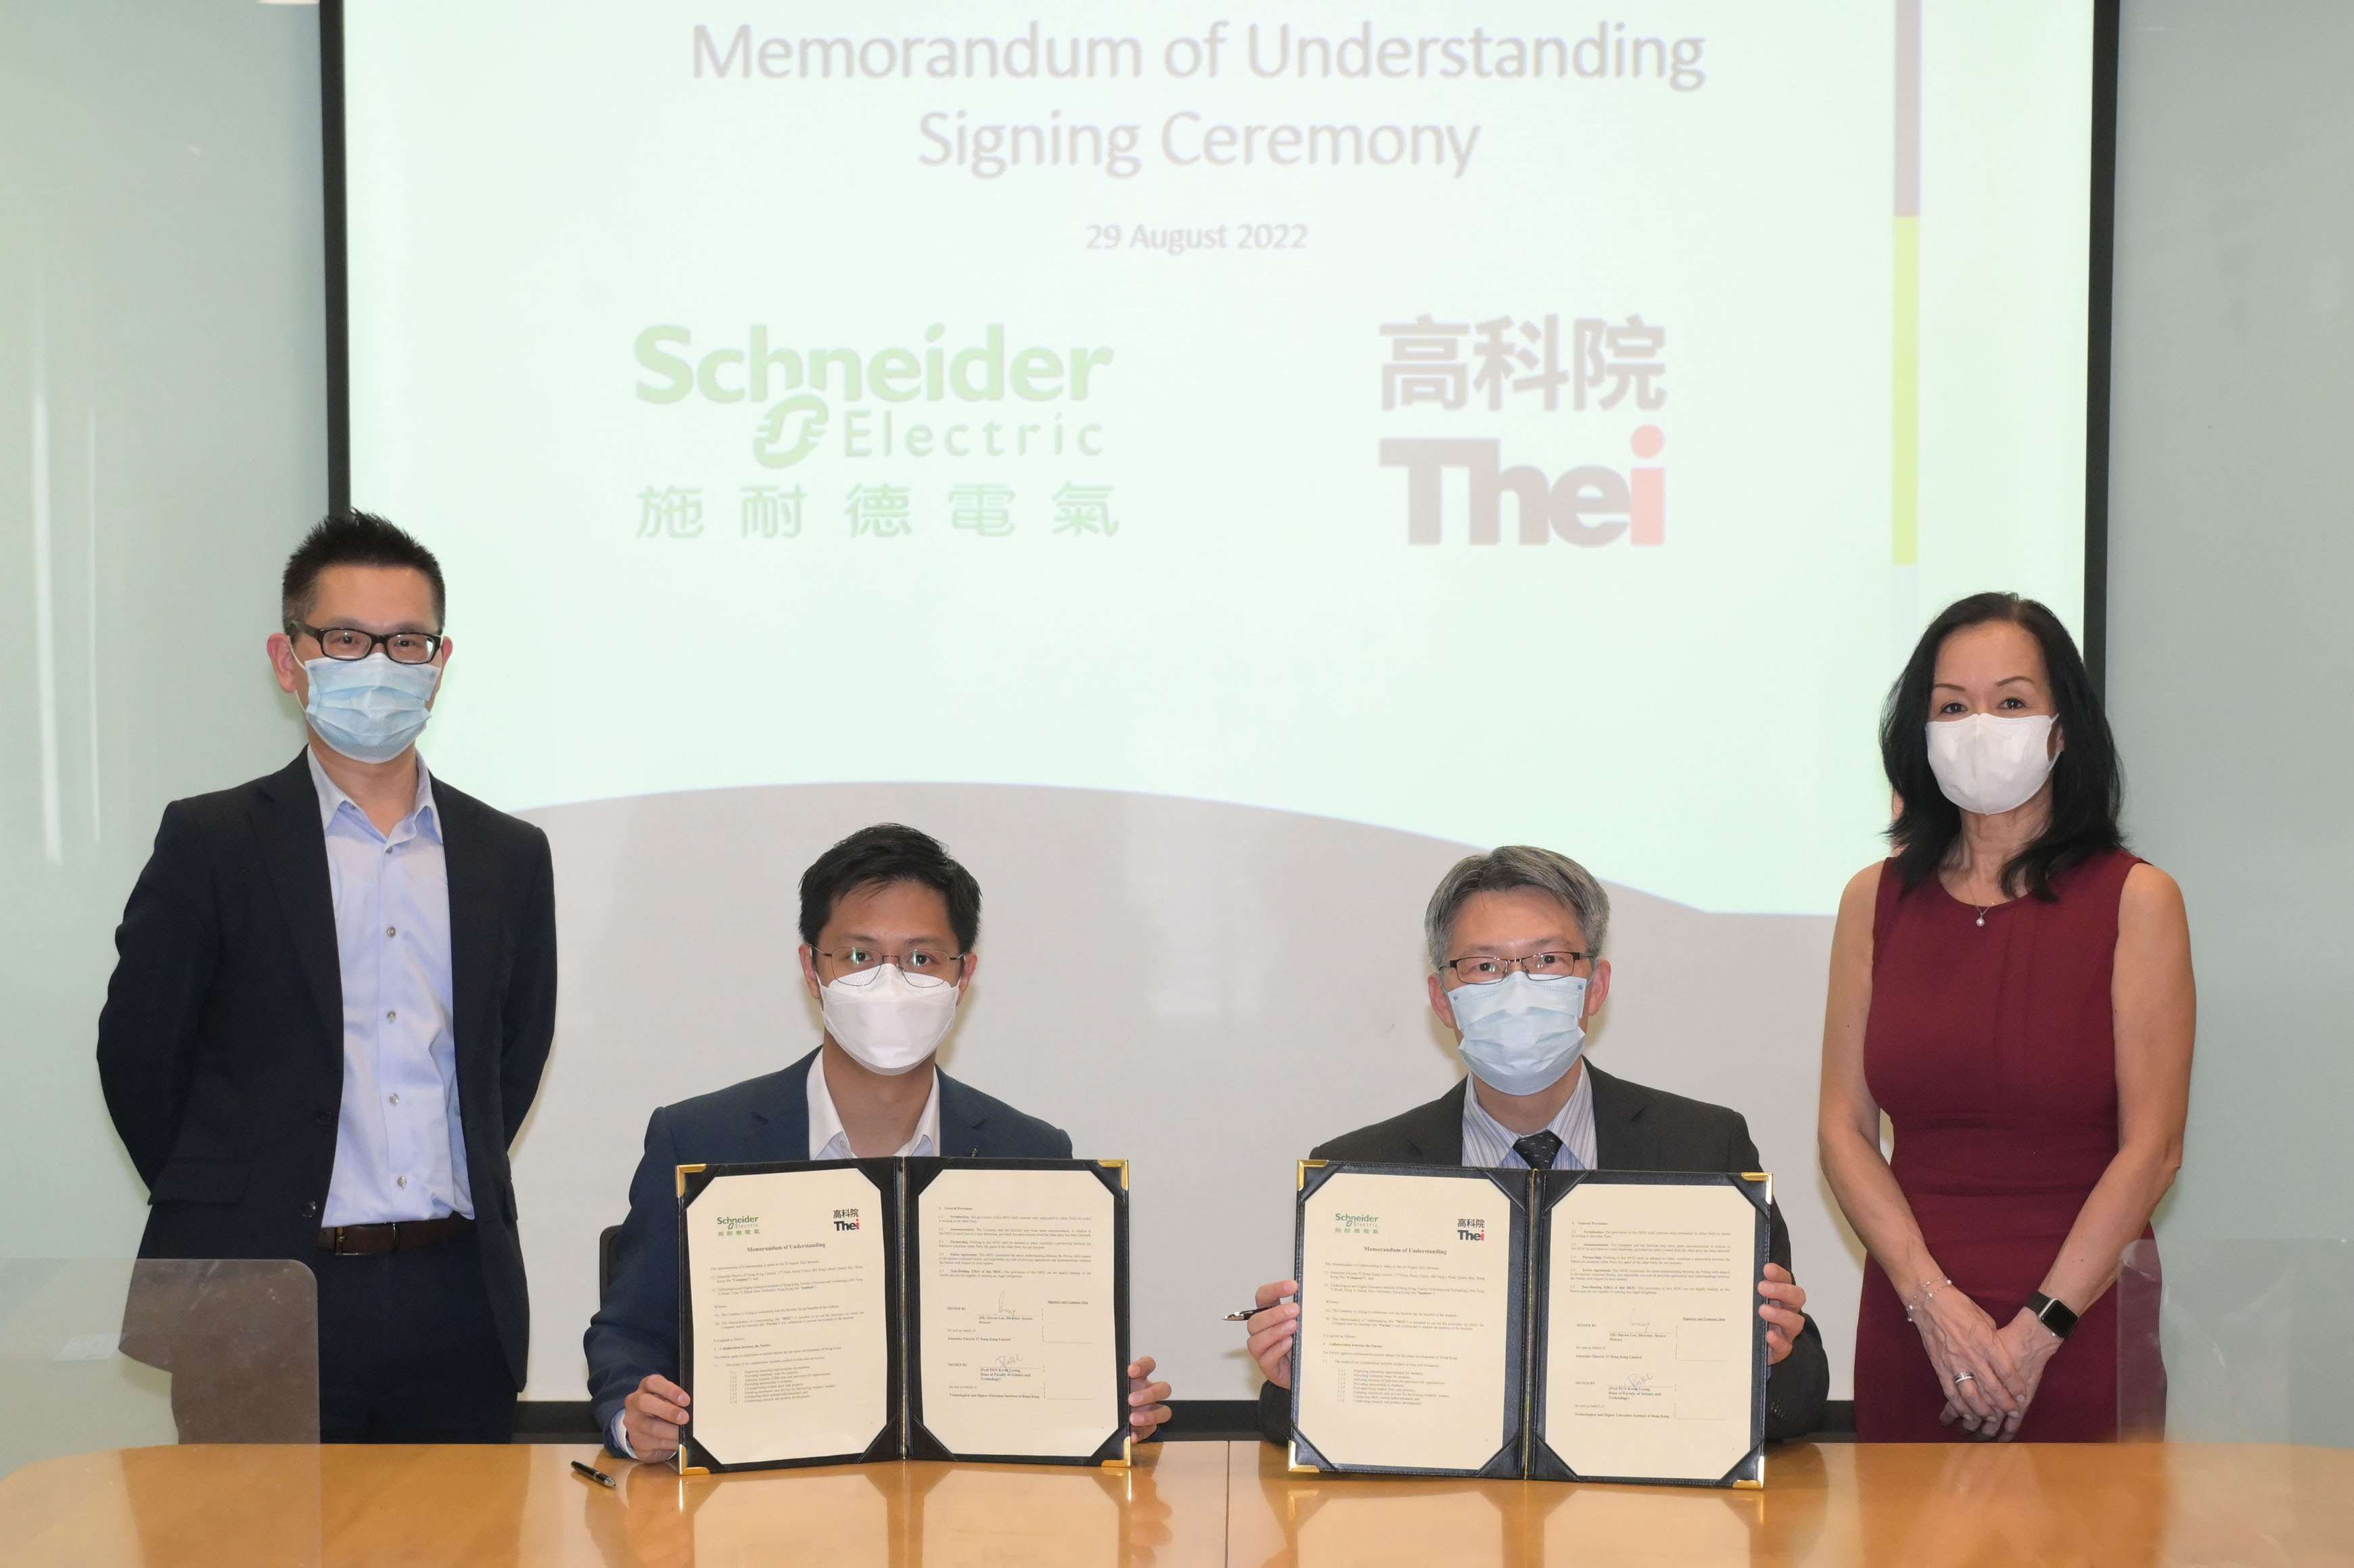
339, 1243
395, 1237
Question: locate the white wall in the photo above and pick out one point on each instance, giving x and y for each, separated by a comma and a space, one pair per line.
161, 295
2229, 669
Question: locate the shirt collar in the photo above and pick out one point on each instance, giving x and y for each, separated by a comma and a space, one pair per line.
825, 1122
422, 815
1580, 1104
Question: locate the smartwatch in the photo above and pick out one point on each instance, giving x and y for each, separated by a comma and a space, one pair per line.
2053, 1315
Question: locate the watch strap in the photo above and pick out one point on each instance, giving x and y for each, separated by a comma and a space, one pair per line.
2053, 1315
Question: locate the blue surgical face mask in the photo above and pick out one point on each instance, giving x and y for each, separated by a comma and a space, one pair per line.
1520, 1035
369, 709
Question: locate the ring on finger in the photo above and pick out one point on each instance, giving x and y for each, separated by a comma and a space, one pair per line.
1963, 1377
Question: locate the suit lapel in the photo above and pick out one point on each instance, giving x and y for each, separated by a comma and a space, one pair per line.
1622, 1135
294, 847
474, 932
1435, 1131
963, 1122
780, 1113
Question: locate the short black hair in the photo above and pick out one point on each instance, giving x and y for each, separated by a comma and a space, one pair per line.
886, 852
2087, 783
353, 539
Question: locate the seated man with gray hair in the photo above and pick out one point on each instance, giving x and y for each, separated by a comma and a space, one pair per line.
1517, 970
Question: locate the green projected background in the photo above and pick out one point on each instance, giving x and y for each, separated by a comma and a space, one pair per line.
1488, 423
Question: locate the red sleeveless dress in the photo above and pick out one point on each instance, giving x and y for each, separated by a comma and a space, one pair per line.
1993, 1049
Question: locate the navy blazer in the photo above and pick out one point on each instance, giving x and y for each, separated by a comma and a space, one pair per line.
1634, 1129
635, 1332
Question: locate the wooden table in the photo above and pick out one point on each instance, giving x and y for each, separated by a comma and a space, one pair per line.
1187, 1504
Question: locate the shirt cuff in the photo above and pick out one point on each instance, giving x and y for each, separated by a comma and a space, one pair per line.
617, 1435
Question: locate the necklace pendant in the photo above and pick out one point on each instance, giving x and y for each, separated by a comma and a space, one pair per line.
1981, 917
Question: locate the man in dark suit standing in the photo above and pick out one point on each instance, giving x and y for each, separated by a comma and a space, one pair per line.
888, 922
1515, 941
335, 992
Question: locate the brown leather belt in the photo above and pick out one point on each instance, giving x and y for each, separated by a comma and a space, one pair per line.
405, 1235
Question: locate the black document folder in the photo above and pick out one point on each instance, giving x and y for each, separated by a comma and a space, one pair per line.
832, 1312
1549, 1325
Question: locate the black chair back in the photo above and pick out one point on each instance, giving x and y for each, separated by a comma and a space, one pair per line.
609, 1253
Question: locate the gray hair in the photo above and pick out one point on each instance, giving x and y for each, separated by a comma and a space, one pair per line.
1502, 870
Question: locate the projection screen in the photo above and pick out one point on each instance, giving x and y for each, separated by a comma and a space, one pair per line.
1213, 472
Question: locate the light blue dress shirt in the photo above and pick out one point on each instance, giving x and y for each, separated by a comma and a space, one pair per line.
1488, 1143
400, 1147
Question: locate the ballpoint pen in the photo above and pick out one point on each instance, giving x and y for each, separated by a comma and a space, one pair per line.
1247, 1313
594, 1474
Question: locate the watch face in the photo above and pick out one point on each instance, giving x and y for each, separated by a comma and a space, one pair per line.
2053, 1315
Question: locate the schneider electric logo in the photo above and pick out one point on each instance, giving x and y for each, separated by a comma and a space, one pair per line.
739, 1225
937, 399
1356, 1224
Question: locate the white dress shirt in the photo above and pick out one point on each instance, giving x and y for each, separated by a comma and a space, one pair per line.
1488, 1143
401, 1145
827, 1140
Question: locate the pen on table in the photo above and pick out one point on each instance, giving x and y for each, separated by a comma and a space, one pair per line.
594, 1474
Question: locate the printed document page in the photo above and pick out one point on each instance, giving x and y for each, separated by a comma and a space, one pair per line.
1404, 1313
1654, 1291
791, 1345
1019, 1319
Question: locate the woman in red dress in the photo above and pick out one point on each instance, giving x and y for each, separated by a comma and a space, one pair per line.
2013, 988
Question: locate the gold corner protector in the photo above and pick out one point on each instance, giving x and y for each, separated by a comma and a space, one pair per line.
1119, 1165
683, 1173
1765, 1176
1308, 1165
1294, 1465
1758, 1485
1128, 1444
695, 1470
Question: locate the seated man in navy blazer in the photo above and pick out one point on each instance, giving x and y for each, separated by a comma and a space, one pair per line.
888, 928
1515, 941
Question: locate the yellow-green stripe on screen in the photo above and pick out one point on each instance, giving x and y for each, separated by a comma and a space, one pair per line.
1905, 466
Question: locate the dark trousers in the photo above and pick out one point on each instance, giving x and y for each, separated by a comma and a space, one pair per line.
407, 1350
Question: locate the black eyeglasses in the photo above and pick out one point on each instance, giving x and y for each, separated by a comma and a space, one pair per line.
349, 643
1482, 970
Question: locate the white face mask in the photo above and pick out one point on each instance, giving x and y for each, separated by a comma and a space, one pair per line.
890, 1024
1520, 1035
1990, 764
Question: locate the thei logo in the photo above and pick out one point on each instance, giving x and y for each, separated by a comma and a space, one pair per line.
1588, 505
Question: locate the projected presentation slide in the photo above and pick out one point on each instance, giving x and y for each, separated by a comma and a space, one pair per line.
1485, 421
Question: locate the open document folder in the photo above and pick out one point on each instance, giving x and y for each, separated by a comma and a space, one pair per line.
834, 1311
1564, 1324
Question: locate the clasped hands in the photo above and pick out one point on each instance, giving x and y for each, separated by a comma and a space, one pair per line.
1998, 1368
1276, 1324
655, 1411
